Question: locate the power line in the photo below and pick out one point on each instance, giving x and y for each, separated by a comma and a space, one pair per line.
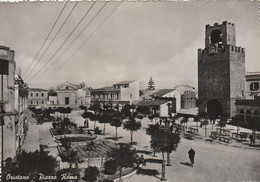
64, 41
86, 26
52, 39
71, 34
84, 42
46, 37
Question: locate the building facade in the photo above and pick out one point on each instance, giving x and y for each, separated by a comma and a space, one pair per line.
250, 112
221, 71
162, 107
119, 94
66, 94
14, 100
188, 96
252, 85
38, 97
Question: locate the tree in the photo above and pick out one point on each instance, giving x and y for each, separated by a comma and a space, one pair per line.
52, 92
152, 130
151, 117
90, 116
71, 157
165, 142
110, 167
116, 122
151, 84
185, 120
222, 123
237, 119
132, 125
96, 109
105, 118
31, 164
67, 110
91, 174
123, 156
126, 110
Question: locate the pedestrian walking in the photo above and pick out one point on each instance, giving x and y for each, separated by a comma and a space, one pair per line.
191, 156
252, 141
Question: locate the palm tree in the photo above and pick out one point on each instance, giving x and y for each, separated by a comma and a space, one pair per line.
116, 122
123, 156
132, 125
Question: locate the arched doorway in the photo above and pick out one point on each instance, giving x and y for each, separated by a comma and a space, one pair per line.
214, 109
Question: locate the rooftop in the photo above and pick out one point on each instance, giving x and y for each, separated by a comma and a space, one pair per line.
38, 89
162, 92
151, 102
105, 89
124, 82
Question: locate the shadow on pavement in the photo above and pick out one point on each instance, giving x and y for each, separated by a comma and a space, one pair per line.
148, 172
186, 164
158, 161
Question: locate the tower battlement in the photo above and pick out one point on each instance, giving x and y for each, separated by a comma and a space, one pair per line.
236, 49
216, 25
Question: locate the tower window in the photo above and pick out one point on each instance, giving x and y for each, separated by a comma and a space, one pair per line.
216, 37
254, 86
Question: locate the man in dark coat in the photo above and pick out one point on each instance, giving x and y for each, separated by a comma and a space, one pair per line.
191, 156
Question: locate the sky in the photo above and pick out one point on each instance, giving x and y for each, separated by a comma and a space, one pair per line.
137, 41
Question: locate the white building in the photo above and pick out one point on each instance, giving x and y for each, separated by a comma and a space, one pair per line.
119, 94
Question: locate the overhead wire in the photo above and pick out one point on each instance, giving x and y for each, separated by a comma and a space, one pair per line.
53, 39
84, 42
64, 41
46, 38
93, 18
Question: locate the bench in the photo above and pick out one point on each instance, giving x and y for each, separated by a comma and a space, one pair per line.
214, 135
225, 139
188, 136
193, 130
223, 131
243, 135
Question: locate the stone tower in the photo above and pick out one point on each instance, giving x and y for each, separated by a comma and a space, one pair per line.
221, 71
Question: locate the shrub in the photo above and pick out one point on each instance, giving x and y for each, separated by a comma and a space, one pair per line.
91, 174
54, 125
82, 107
110, 167
97, 131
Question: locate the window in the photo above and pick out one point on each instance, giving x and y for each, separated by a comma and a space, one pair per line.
37, 95
42, 94
254, 86
130, 95
216, 37
31, 94
42, 102
31, 102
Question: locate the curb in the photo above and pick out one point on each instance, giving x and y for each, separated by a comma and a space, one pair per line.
128, 175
